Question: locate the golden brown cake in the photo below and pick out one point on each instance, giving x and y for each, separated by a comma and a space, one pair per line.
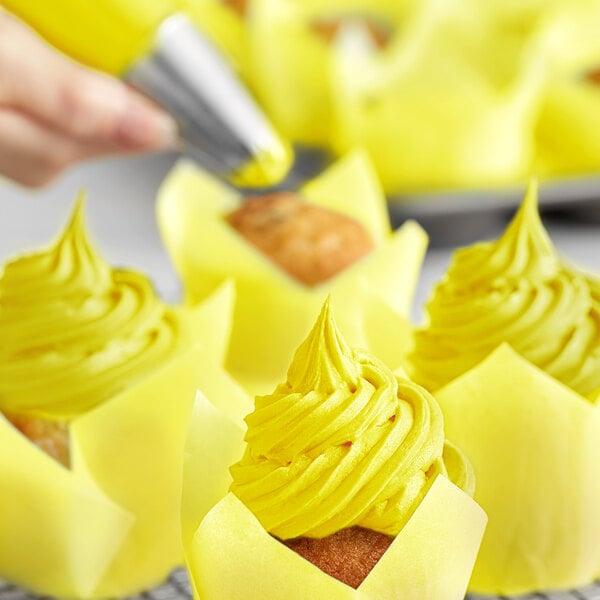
349, 555
310, 242
328, 28
50, 436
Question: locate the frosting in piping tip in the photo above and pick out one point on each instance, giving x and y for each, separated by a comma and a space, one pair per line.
342, 442
516, 290
74, 331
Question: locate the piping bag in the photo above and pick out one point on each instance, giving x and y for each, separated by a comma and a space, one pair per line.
155, 47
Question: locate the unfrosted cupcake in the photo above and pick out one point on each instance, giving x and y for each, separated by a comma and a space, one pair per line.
286, 253
347, 464
100, 374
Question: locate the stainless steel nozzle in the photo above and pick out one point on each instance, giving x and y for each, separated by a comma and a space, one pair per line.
221, 125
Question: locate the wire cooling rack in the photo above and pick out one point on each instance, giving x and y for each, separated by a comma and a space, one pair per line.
177, 587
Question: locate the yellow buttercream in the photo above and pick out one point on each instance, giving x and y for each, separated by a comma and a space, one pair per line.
343, 442
516, 290
74, 331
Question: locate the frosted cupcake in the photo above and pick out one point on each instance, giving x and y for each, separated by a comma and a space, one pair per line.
213, 233
512, 348
516, 290
343, 458
100, 375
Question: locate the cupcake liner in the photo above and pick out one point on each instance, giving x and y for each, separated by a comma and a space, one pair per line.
565, 131
273, 312
230, 555
438, 110
110, 525
535, 447
294, 83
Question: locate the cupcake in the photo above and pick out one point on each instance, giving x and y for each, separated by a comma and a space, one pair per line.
517, 290
97, 378
439, 109
295, 83
285, 253
511, 347
345, 487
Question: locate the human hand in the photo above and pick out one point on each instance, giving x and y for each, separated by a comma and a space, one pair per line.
54, 112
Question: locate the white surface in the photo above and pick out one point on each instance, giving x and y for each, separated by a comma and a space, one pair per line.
121, 199
120, 204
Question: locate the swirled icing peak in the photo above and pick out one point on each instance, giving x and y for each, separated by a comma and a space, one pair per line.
74, 331
516, 290
343, 442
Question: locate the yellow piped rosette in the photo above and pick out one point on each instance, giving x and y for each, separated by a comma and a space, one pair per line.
516, 290
273, 312
343, 442
504, 311
94, 346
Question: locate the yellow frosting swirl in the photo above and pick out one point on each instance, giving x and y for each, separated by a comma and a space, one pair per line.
343, 442
76, 332
515, 290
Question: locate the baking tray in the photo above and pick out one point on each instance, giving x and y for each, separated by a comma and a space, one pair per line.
462, 217
177, 587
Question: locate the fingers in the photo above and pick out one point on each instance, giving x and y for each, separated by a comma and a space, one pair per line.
33, 155
73, 100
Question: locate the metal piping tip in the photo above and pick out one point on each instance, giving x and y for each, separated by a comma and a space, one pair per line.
221, 126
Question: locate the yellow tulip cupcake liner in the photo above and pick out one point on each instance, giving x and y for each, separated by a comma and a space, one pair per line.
273, 312
109, 524
510, 347
535, 446
436, 111
569, 111
231, 555
294, 84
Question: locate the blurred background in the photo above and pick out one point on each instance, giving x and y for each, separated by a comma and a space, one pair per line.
458, 103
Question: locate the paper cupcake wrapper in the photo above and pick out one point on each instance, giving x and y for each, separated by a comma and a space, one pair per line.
535, 447
565, 130
232, 556
429, 111
273, 313
294, 83
110, 525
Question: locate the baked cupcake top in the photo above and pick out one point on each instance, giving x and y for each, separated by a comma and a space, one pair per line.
74, 331
342, 442
516, 290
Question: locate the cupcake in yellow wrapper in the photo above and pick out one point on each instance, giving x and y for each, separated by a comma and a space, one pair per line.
93, 347
569, 112
451, 104
273, 311
535, 447
512, 338
294, 84
516, 290
342, 443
